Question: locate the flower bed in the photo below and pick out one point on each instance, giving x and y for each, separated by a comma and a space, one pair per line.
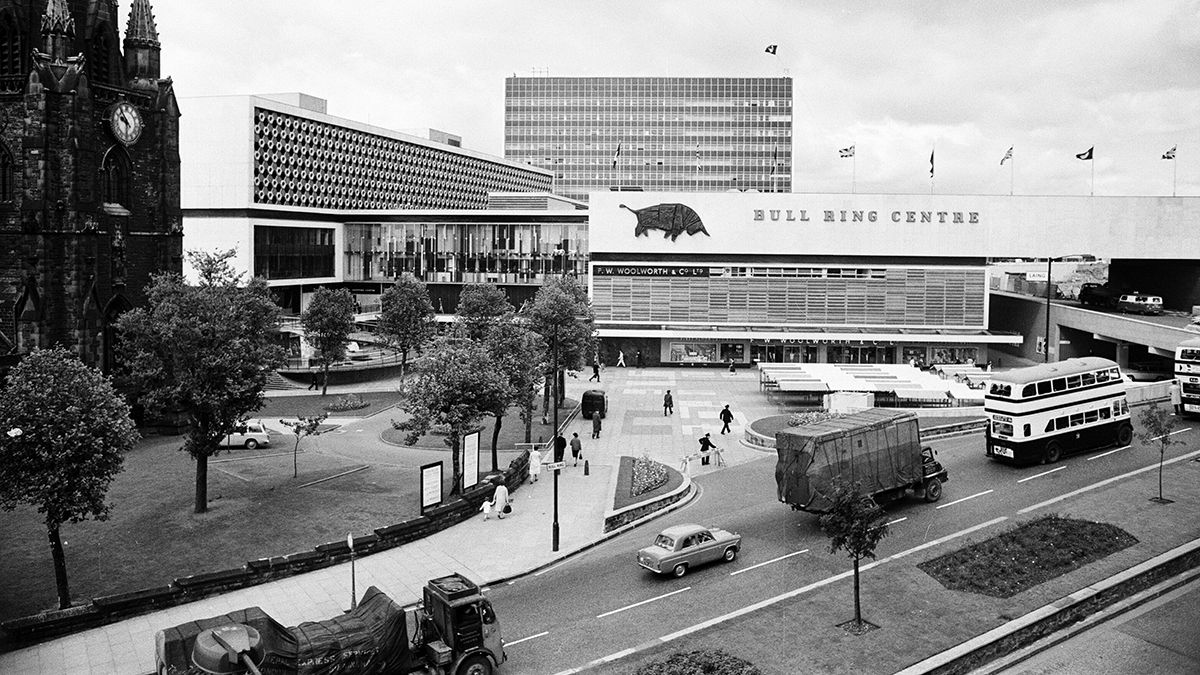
647, 476
347, 402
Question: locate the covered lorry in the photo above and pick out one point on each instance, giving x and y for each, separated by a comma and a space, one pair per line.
453, 631
880, 450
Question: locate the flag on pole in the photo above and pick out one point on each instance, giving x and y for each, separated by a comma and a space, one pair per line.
616, 155
1007, 156
771, 49
846, 152
931, 163
1086, 156
1170, 154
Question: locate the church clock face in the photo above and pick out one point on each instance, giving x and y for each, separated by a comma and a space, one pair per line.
125, 122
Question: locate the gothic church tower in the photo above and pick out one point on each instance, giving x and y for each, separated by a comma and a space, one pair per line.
89, 173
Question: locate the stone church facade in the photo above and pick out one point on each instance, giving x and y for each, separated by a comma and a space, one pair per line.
89, 172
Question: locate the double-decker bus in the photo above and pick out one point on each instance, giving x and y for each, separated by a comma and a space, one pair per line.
1042, 412
1187, 375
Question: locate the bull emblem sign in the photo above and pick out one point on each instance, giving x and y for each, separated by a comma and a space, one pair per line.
672, 219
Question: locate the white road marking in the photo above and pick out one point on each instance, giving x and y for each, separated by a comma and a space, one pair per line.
768, 562
639, 604
771, 601
1179, 431
898, 520
1106, 481
978, 494
1044, 473
1106, 454
517, 642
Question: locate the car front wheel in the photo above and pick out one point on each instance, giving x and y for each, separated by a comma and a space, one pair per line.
679, 570
251, 444
731, 554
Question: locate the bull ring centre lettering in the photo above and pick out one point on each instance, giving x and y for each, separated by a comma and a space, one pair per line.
648, 271
856, 216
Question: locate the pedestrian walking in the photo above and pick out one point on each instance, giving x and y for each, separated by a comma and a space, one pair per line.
726, 417
560, 447
315, 380
535, 465
576, 448
620, 359
595, 371
668, 404
595, 425
1176, 398
731, 368
706, 446
639, 358
501, 504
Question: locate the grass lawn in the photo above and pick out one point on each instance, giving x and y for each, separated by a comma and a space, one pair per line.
257, 509
1026, 556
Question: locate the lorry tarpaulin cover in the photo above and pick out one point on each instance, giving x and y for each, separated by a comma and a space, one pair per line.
370, 639
279, 646
880, 450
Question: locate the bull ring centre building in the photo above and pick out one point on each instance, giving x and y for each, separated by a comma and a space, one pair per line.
708, 278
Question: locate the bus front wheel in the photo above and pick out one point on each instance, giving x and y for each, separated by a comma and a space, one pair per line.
1124, 435
1053, 453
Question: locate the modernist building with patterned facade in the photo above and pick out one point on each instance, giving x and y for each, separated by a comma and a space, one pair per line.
844, 278
652, 133
310, 199
89, 172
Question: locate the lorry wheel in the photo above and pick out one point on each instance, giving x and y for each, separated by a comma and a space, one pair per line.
1053, 453
679, 570
251, 444
933, 490
730, 554
1124, 435
475, 665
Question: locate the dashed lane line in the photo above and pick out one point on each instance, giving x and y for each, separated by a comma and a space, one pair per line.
957, 501
644, 602
787, 555
1044, 473
1106, 454
517, 642
1107, 481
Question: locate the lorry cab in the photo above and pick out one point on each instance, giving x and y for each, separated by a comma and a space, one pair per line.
466, 622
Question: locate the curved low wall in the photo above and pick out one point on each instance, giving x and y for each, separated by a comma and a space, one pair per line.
628, 515
929, 432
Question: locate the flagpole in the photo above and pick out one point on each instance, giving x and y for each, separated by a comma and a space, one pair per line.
1093, 176
1174, 175
853, 166
1012, 170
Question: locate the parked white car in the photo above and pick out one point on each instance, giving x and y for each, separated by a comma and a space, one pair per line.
249, 435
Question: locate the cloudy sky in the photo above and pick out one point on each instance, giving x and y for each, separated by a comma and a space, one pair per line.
896, 79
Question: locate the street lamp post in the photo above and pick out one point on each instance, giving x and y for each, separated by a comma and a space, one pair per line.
554, 442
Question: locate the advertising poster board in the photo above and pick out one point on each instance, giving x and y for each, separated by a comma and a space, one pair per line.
470, 459
431, 485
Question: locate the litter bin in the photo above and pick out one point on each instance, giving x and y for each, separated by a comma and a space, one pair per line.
595, 402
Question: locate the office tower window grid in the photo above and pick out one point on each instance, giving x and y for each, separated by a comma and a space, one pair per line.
661, 134
308, 163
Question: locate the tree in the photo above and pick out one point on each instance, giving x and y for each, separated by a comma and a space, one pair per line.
67, 431
518, 354
406, 318
204, 350
1158, 427
302, 427
482, 307
561, 314
854, 524
459, 387
327, 325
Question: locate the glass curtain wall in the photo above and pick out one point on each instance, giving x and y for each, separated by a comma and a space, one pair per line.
467, 253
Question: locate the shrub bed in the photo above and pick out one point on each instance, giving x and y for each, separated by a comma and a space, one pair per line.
647, 475
700, 662
347, 402
1035, 552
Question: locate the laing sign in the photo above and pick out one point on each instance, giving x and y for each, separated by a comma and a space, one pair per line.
861, 216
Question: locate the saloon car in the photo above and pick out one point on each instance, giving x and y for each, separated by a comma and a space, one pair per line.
247, 435
679, 548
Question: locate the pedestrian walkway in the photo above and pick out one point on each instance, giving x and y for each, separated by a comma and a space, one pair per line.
485, 551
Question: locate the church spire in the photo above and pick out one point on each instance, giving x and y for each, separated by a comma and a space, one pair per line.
58, 29
142, 49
